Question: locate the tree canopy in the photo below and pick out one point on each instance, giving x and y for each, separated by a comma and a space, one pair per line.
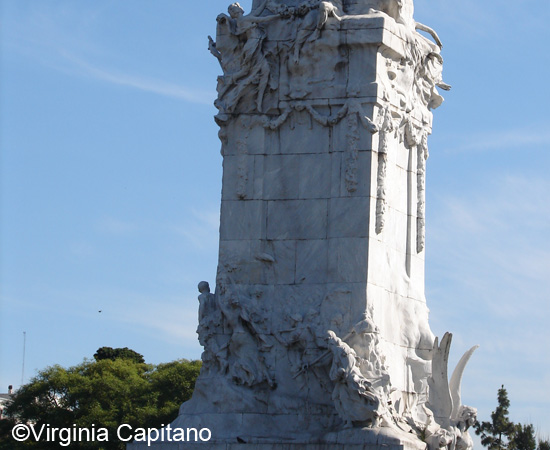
118, 353
107, 392
496, 433
502, 434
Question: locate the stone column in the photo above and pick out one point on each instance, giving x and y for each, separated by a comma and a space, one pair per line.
319, 319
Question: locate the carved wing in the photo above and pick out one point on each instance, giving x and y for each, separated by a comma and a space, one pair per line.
456, 381
439, 400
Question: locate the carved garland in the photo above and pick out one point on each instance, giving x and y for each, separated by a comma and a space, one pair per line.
417, 137
386, 129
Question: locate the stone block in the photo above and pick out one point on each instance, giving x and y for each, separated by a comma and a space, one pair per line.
362, 66
349, 217
400, 156
297, 219
238, 177
233, 255
274, 261
242, 219
281, 177
301, 134
382, 263
341, 131
347, 260
394, 235
258, 182
311, 261
244, 136
336, 168
314, 176
397, 181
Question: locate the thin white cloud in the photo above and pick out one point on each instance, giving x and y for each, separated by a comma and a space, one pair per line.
488, 266
154, 86
111, 225
473, 18
60, 39
201, 229
516, 139
169, 320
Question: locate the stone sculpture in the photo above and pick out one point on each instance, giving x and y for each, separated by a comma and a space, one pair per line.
317, 334
354, 399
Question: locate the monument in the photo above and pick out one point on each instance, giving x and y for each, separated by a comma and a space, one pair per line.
317, 333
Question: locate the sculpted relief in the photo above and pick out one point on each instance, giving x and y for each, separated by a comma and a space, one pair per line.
240, 346
295, 62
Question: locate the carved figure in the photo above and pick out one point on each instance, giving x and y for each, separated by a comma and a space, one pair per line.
246, 364
209, 314
429, 76
252, 67
365, 337
316, 16
467, 417
209, 329
302, 349
354, 399
440, 439
402, 12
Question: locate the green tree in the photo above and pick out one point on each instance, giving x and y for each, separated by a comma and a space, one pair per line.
523, 438
544, 445
173, 383
118, 353
105, 393
496, 434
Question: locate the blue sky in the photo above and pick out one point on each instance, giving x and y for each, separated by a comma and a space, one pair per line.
111, 178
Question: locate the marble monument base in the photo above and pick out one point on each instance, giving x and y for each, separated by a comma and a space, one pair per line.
349, 439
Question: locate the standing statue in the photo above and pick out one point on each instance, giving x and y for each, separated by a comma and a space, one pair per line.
209, 328
209, 314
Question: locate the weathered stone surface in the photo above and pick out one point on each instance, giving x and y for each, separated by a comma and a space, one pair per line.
317, 335
297, 219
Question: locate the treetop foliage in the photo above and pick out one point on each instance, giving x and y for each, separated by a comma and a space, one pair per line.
502, 434
106, 392
118, 353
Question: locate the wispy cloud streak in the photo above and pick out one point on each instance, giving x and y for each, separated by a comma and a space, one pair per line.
143, 84
488, 280
502, 140
60, 40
